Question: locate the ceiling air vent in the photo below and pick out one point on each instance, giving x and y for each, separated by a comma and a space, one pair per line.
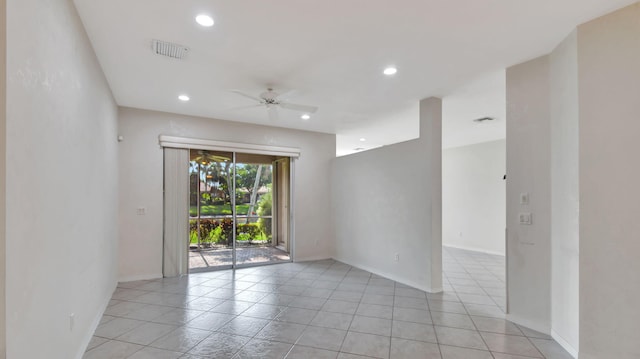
480, 120
169, 49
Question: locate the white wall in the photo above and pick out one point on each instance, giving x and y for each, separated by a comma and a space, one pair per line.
564, 194
61, 182
141, 173
388, 200
3, 175
473, 197
528, 171
609, 94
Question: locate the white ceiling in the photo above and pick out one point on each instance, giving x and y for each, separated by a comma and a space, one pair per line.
484, 96
331, 52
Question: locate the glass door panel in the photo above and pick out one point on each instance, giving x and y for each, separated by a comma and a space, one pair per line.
255, 243
211, 210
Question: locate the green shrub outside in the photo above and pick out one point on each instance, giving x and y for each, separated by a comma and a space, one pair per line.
219, 231
219, 209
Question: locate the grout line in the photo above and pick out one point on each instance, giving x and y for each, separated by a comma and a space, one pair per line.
469, 314
393, 306
303, 276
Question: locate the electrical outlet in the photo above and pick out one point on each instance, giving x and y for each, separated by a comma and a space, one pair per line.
141, 211
396, 257
525, 218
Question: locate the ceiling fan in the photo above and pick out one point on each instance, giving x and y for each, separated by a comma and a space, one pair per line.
272, 100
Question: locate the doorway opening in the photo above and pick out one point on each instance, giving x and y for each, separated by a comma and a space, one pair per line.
238, 209
474, 191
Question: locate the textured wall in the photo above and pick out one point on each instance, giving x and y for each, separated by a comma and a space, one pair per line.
565, 200
387, 201
141, 183
528, 171
61, 182
473, 197
609, 89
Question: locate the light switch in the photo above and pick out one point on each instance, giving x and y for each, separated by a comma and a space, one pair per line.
524, 198
525, 218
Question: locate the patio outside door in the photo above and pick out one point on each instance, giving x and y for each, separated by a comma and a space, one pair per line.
233, 209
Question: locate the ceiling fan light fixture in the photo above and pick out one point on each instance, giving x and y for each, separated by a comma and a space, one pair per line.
306, 116
390, 71
204, 20
483, 119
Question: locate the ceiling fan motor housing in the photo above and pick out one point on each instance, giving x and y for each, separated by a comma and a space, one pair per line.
269, 96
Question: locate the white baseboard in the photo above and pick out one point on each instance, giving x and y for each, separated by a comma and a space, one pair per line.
563, 343
94, 324
392, 277
308, 259
538, 327
472, 249
134, 278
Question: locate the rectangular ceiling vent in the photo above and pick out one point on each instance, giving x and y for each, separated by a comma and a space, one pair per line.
169, 49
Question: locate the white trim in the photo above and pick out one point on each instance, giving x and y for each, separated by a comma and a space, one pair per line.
565, 344
95, 322
391, 276
473, 249
312, 258
135, 278
234, 213
506, 268
292, 223
200, 144
538, 327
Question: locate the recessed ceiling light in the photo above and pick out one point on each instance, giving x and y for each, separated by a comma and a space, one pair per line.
204, 20
184, 98
390, 71
305, 116
363, 139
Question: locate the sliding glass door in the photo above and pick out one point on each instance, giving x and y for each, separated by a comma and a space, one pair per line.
211, 209
233, 210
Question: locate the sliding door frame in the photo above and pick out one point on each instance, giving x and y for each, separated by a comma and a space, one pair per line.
213, 145
234, 214
292, 227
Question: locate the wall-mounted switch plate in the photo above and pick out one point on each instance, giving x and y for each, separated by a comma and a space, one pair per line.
524, 218
524, 198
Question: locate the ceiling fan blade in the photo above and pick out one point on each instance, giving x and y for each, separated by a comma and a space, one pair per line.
273, 113
246, 95
302, 108
286, 95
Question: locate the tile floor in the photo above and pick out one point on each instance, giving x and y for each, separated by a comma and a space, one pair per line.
321, 309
